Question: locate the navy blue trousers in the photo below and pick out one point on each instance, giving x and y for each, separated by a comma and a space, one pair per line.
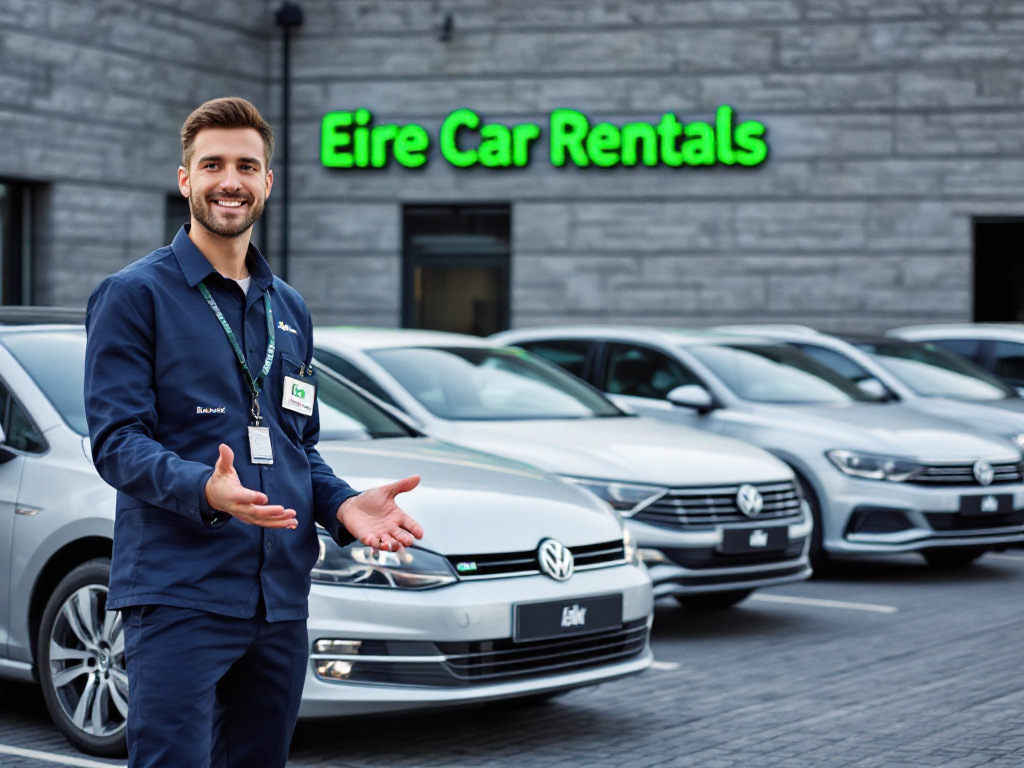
211, 691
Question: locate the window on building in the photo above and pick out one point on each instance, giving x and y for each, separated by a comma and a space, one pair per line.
455, 267
15, 242
999, 269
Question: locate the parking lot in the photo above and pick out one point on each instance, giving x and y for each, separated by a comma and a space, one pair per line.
883, 663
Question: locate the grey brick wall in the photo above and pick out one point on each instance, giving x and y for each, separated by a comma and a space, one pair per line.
891, 124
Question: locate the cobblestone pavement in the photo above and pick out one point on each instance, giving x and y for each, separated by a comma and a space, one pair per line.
880, 665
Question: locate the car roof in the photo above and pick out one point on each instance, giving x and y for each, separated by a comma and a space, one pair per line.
666, 336
355, 337
963, 330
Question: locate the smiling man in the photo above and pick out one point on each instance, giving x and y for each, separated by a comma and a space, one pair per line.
204, 418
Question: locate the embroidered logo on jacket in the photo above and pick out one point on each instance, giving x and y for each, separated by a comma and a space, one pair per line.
201, 409
282, 325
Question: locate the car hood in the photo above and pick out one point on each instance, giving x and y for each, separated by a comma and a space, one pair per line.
889, 429
1000, 417
469, 501
628, 449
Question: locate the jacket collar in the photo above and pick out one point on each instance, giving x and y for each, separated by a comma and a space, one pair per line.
196, 267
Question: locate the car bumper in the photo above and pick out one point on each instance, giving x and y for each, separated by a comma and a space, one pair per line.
683, 562
866, 516
453, 645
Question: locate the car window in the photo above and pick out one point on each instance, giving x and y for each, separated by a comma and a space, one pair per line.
347, 415
482, 384
935, 372
643, 372
19, 431
568, 354
838, 362
56, 362
969, 348
1009, 361
776, 374
353, 373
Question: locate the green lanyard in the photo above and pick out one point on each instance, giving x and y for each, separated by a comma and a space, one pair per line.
254, 384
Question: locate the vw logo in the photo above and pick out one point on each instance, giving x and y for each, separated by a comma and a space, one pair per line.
555, 559
983, 472
749, 500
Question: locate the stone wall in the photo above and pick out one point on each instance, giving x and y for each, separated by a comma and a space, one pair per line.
891, 123
92, 95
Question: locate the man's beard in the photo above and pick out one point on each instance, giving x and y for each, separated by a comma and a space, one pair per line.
203, 213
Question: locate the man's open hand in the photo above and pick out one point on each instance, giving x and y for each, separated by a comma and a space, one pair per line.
377, 521
225, 493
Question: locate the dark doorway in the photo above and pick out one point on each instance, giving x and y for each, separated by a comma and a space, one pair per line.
15, 243
455, 267
999, 269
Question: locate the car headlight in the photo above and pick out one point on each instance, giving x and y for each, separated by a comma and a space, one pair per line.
624, 498
630, 548
357, 566
874, 467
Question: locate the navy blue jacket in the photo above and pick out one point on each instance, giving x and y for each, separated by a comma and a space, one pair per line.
163, 389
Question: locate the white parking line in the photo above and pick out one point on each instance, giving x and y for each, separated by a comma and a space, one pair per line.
665, 666
49, 757
813, 601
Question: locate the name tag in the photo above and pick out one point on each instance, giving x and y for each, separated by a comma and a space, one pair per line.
260, 450
299, 396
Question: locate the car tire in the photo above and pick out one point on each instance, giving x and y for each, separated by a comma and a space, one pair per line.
819, 558
80, 662
958, 557
713, 601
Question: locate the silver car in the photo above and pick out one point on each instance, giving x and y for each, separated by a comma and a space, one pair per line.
524, 585
714, 518
880, 477
921, 376
997, 347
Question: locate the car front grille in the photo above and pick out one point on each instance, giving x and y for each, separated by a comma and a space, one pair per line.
943, 521
703, 508
504, 660
963, 474
508, 564
483, 662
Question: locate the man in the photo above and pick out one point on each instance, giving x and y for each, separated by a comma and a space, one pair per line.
202, 411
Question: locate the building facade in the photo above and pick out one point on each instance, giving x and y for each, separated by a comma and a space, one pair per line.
474, 164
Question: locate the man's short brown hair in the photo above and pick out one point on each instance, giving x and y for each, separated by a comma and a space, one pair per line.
229, 112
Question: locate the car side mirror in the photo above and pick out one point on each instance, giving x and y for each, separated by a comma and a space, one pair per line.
876, 389
691, 396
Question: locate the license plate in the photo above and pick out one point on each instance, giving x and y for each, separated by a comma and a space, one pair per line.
987, 504
540, 621
739, 541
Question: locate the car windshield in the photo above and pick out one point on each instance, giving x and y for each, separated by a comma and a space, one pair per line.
933, 372
776, 374
347, 415
477, 384
56, 362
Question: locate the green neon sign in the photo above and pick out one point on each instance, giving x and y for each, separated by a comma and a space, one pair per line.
465, 140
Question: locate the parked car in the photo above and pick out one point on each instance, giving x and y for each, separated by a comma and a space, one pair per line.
997, 347
880, 478
714, 518
522, 586
922, 376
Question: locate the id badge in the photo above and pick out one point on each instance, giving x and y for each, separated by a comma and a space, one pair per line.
260, 450
299, 396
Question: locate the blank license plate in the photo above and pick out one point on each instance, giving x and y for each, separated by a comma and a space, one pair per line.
738, 541
540, 621
988, 504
